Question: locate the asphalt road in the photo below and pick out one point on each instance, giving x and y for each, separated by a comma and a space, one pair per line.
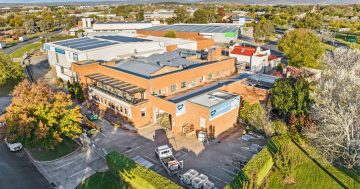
17, 171
11, 49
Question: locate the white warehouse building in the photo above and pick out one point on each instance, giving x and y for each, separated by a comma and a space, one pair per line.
62, 54
129, 27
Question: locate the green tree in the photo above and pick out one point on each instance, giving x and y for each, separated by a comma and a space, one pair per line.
254, 116
79, 93
285, 159
263, 30
16, 21
3, 22
140, 15
30, 26
291, 96
279, 21
302, 47
170, 34
38, 117
310, 21
204, 16
70, 22
70, 89
9, 70
181, 14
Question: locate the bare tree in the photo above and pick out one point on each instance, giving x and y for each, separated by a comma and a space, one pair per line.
337, 108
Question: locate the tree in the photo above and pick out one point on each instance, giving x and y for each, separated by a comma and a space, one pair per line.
285, 159
337, 108
204, 16
30, 26
140, 15
170, 34
38, 117
279, 21
291, 96
181, 14
9, 70
70, 90
263, 30
254, 116
310, 21
70, 22
16, 21
3, 22
302, 47
79, 93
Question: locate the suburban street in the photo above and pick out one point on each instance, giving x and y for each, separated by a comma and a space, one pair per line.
17, 171
11, 49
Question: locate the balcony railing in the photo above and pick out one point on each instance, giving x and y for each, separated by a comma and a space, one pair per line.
132, 101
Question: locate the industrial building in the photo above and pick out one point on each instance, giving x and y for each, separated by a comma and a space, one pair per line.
62, 54
168, 88
126, 27
218, 33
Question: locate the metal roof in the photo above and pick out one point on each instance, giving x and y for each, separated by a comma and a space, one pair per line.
147, 65
196, 28
85, 43
132, 22
212, 98
115, 83
122, 39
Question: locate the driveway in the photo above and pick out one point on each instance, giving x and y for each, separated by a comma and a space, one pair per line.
17, 171
213, 159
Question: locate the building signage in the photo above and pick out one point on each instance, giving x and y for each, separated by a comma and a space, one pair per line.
180, 108
46, 47
60, 51
224, 107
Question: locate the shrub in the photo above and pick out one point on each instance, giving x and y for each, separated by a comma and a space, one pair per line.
254, 172
170, 34
135, 175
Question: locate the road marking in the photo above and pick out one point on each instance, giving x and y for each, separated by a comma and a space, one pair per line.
64, 164
240, 155
155, 161
219, 179
159, 170
185, 154
228, 171
228, 160
132, 149
78, 172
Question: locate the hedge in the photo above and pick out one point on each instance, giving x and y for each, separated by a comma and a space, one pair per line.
260, 165
135, 175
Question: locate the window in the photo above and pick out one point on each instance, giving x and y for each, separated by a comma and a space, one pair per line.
62, 70
121, 109
76, 57
202, 123
202, 79
125, 110
143, 112
217, 74
193, 82
173, 88
57, 58
183, 84
160, 92
209, 76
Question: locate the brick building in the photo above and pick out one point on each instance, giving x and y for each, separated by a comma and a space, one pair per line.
180, 90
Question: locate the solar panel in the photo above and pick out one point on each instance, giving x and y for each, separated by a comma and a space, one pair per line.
95, 46
122, 38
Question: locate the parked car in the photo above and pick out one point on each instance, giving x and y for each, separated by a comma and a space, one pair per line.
13, 146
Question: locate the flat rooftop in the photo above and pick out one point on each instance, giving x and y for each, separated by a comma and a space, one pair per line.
212, 98
186, 95
132, 22
89, 43
195, 28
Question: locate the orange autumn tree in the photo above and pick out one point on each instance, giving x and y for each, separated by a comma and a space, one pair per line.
39, 117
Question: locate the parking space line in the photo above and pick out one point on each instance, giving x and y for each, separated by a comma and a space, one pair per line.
68, 163
78, 172
240, 155
132, 149
185, 154
228, 171
159, 170
217, 178
157, 162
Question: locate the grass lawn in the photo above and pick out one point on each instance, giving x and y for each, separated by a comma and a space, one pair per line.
21, 51
66, 147
341, 38
7, 87
104, 180
309, 175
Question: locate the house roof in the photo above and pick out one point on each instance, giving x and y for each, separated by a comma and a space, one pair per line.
242, 50
272, 57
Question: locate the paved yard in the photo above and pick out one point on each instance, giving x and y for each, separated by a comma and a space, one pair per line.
212, 159
17, 171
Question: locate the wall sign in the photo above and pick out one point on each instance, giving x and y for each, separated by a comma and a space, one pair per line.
60, 51
180, 108
224, 107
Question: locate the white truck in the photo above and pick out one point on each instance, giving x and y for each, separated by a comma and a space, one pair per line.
168, 161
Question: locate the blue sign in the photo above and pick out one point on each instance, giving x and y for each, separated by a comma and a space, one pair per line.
180, 108
47, 47
60, 51
224, 107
